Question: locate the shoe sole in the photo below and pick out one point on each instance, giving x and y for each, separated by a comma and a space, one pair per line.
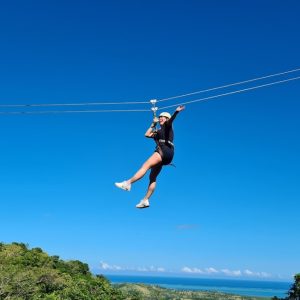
143, 207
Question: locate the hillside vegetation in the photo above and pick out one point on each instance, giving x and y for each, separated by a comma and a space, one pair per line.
31, 274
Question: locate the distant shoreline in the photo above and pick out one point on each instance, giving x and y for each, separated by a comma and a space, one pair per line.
151, 292
241, 287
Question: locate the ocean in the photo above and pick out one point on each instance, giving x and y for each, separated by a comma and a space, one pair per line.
238, 287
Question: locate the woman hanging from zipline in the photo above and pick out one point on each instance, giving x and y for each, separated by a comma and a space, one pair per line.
163, 154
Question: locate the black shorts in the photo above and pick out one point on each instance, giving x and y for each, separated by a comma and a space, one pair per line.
166, 153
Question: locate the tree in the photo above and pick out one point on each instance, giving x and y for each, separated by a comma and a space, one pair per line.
31, 274
294, 291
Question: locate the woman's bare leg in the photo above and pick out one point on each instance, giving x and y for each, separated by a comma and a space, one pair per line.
154, 160
152, 184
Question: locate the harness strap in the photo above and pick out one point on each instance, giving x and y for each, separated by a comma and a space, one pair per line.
166, 142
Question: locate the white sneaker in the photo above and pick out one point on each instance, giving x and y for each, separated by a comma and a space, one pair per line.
143, 204
123, 185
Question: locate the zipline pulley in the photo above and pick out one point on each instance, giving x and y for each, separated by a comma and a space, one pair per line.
154, 108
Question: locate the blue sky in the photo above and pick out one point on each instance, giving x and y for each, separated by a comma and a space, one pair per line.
230, 208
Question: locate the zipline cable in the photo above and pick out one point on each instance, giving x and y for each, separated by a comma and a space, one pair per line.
70, 111
73, 104
231, 93
143, 102
147, 110
229, 85
142, 110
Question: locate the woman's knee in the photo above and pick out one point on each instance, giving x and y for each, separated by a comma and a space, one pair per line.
152, 185
152, 178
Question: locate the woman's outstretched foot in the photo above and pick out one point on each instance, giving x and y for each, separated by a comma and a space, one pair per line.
143, 204
123, 185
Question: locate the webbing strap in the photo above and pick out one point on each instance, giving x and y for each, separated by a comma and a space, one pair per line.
164, 141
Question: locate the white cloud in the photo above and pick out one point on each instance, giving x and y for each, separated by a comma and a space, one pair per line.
141, 269
106, 266
161, 269
231, 273
249, 273
207, 271
186, 270
211, 270
199, 271
257, 274
264, 274
192, 270
157, 269
226, 272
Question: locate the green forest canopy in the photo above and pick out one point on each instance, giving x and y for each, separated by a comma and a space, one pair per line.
33, 274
